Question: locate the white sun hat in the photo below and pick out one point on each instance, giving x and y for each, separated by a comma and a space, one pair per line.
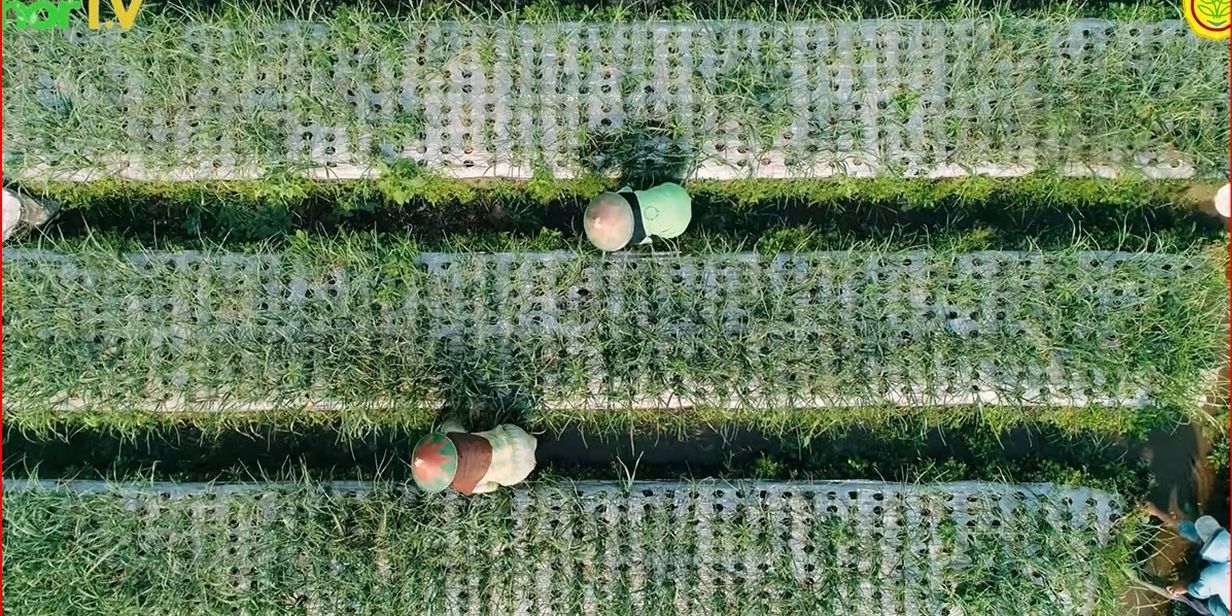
1223, 201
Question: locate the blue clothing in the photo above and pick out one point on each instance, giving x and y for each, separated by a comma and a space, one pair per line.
1212, 585
1187, 530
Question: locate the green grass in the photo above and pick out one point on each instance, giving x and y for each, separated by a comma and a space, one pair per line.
123, 338
1109, 97
362, 420
764, 215
303, 548
541, 11
1170, 96
120, 338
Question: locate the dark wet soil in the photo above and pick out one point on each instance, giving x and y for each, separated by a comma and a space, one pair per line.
927, 454
1178, 462
996, 222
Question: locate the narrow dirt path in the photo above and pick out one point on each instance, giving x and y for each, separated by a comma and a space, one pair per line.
926, 454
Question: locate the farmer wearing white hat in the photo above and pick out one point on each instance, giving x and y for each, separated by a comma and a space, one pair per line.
614, 220
1209, 594
452, 458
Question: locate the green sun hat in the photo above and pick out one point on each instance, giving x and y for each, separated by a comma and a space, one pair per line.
667, 210
614, 220
434, 462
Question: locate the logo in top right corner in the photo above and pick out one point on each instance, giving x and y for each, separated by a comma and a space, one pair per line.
1209, 19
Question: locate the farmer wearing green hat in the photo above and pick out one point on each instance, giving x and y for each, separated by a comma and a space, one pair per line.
472, 463
614, 220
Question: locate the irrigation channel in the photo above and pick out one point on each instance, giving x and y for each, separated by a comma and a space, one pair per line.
1168, 459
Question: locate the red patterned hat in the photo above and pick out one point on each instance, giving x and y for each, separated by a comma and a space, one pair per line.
435, 462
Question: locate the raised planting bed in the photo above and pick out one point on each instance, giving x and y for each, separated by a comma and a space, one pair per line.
195, 96
647, 548
538, 11
380, 330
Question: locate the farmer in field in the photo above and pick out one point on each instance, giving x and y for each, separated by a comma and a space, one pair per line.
472, 463
615, 220
1209, 594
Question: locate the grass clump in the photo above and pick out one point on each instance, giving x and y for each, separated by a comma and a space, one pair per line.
277, 548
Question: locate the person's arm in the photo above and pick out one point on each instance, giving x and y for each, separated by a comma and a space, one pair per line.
1208, 584
1166, 518
484, 487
